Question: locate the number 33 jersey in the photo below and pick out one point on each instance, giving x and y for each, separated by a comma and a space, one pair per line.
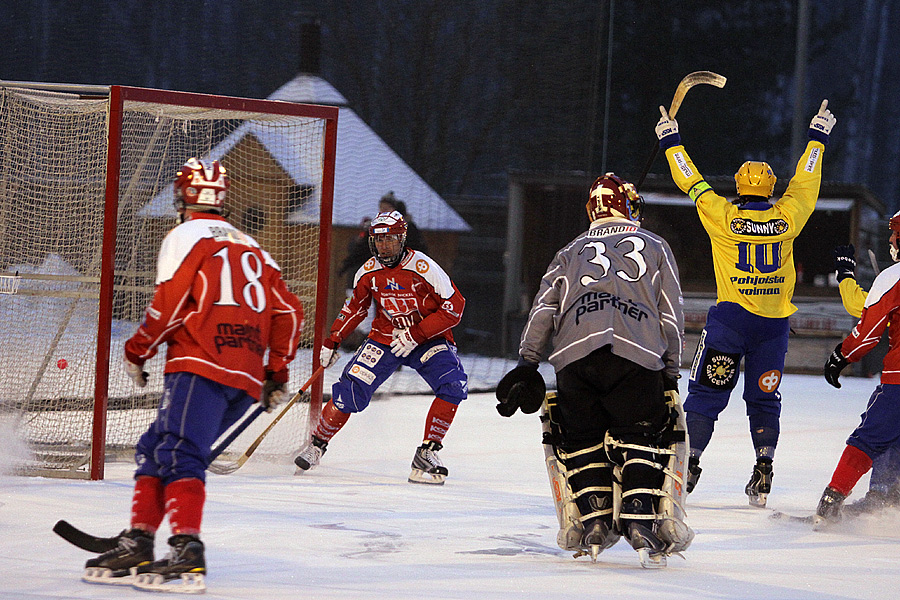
219, 303
416, 294
753, 245
615, 284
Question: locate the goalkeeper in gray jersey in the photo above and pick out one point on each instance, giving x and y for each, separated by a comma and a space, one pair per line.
609, 317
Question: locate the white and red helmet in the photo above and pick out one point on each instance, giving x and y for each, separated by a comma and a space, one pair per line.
201, 185
388, 223
894, 226
612, 196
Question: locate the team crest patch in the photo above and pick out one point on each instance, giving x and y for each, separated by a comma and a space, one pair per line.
421, 266
719, 369
370, 264
768, 381
750, 227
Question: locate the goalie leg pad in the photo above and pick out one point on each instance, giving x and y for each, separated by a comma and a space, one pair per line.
652, 471
582, 487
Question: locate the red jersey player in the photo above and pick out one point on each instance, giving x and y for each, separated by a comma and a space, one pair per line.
220, 303
416, 305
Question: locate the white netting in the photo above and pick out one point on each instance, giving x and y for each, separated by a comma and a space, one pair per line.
53, 154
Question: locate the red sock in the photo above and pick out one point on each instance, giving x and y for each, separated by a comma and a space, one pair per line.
439, 418
853, 465
147, 504
330, 422
184, 505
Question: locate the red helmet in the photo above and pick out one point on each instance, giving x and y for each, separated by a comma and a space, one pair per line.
388, 224
894, 223
612, 196
201, 185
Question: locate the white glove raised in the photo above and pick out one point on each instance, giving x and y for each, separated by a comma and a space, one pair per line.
137, 374
822, 123
327, 357
402, 343
667, 130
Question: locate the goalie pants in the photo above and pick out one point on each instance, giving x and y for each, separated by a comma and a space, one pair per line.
193, 412
605, 392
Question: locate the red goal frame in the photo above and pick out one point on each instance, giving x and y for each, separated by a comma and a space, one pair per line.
118, 95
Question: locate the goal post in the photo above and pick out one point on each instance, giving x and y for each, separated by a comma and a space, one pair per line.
85, 200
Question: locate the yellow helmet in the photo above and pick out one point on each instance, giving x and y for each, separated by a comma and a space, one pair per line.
755, 178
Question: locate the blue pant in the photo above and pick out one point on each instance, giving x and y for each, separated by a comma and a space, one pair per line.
193, 412
733, 334
878, 429
435, 361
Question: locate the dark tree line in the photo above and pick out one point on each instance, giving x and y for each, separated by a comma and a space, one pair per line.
465, 91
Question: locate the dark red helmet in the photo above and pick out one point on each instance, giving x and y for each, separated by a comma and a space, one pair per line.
612, 196
388, 224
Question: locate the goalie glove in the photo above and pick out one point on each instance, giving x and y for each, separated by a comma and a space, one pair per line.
844, 262
136, 372
403, 342
836, 363
328, 354
522, 388
274, 389
667, 130
821, 124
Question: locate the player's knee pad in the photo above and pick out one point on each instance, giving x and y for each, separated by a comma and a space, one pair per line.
582, 485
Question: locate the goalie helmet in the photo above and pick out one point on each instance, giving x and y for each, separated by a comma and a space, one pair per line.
612, 196
388, 226
894, 226
201, 186
755, 178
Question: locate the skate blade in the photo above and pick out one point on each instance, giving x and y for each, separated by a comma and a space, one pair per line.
650, 560
187, 583
104, 576
820, 523
759, 501
419, 476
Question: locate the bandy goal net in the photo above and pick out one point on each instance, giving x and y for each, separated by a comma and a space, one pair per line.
85, 200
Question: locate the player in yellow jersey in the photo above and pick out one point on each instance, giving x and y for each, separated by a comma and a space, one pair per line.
752, 249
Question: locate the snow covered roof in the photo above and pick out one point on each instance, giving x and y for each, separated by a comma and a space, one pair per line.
366, 167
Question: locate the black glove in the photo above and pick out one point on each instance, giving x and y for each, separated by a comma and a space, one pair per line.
834, 365
844, 262
274, 389
522, 388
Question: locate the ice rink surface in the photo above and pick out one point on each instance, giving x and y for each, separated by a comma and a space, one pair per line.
354, 528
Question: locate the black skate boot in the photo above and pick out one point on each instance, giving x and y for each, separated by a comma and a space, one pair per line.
760, 483
309, 457
830, 508
135, 548
426, 466
693, 475
185, 563
641, 532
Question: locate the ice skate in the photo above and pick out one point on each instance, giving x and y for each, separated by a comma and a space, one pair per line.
597, 538
426, 466
830, 508
135, 548
760, 483
874, 501
694, 471
650, 548
183, 570
310, 455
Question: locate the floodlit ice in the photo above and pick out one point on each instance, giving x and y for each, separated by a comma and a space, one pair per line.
354, 528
